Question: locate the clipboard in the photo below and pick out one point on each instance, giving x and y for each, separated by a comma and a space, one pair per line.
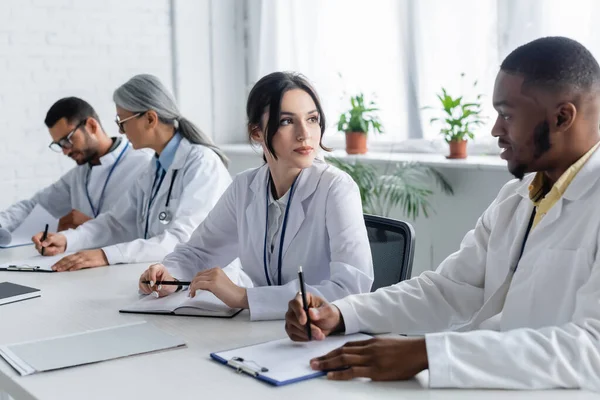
282, 362
25, 268
34, 264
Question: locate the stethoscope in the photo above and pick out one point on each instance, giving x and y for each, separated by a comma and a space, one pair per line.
283, 227
95, 211
165, 216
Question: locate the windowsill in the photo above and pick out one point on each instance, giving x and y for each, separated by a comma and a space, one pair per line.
478, 162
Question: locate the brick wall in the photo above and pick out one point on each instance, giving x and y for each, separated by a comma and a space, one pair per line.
55, 48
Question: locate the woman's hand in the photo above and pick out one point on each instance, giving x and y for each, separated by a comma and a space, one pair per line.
156, 273
216, 281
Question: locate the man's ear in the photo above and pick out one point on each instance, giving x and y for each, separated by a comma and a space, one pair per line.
92, 126
565, 116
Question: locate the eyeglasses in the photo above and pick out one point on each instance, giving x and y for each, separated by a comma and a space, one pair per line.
65, 142
121, 122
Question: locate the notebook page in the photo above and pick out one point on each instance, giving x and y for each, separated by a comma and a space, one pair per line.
204, 300
285, 359
44, 263
89, 347
34, 223
162, 304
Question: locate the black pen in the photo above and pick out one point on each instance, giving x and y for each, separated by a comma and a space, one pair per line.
182, 283
304, 302
44, 238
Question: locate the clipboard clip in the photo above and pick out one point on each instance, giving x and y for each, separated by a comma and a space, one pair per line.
23, 267
241, 365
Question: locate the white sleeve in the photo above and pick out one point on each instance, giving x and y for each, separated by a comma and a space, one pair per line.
566, 356
442, 300
204, 183
56, 199
213, 244
114, 226
351, 266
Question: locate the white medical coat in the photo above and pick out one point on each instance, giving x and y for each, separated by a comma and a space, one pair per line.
69, 192
538, 328
325, 234
201, 180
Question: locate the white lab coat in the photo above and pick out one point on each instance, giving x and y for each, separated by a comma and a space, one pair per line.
325, 234
536, 329
201, 180
69, 192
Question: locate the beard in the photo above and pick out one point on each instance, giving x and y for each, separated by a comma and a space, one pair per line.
85, 155
541, 145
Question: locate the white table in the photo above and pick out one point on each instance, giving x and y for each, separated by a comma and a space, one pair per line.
90, 299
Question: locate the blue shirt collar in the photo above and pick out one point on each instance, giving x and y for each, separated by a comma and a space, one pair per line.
168, 154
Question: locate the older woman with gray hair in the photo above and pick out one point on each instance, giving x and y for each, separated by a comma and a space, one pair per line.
181, 185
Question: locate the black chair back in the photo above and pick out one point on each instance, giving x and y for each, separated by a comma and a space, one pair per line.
392, 247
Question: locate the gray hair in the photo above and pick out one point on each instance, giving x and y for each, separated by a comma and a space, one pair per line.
145, 92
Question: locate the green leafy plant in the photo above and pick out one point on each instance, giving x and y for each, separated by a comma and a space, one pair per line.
408, 186
458, 117
360, 117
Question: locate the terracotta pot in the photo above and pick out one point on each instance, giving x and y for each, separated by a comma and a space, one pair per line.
458, 149
356, 142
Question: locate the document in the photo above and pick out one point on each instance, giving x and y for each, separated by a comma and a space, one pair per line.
37, 263
87, 347
281, 362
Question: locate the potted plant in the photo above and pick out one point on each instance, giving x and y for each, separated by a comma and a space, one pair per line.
408, 186
459, 119
357, 122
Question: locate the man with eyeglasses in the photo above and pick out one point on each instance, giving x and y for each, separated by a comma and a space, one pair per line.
106, 168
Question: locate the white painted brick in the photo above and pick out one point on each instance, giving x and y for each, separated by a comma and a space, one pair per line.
55, 48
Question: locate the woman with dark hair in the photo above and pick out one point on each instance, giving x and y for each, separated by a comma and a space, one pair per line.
294, 211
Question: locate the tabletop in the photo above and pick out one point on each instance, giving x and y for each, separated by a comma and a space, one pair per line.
72, 302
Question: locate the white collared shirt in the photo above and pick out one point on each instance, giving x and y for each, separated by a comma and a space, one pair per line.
275, 223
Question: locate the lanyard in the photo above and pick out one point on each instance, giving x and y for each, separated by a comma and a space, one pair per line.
283, 227
87, 179
529, 226
154, 193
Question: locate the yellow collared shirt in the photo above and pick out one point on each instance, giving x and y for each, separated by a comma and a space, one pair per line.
536, 189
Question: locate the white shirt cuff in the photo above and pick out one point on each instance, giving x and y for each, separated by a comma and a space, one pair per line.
350, 318
439, 364
264, 304
73, 244
113, 255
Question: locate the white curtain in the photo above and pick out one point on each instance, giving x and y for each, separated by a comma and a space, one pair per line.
342, 46
402, 52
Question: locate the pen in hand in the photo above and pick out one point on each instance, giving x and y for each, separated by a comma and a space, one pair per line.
304, 302
44, 237
182, 283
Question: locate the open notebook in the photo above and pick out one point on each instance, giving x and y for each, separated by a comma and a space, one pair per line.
34, 223
37, 263
87, 347
281, 362
205, 304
